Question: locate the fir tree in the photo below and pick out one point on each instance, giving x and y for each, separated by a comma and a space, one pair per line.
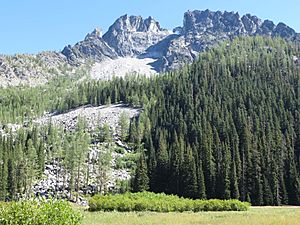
141, 179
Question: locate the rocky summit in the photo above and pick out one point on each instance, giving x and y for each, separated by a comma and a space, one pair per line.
136, 37
92, 47
133, 36
203, 29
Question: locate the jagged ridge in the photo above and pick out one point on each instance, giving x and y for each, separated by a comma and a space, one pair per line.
133, 36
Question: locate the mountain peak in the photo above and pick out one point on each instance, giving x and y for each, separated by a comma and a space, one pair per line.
97, 33
203, 21
135, 36
232, 23
132, 35
135, 24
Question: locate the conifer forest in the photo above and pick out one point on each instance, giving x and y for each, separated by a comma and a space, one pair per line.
225, 127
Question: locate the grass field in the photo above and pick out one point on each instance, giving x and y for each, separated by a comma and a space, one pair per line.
255, 216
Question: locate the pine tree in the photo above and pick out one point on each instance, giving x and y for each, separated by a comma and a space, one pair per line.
41, 158
152, 166
104, 160
162, 169
80, 147
226, 170
189, 175
4, 170
201, 182
208, 161
141, 179
292, 179
234, 188
31, 167
124, 126
105, 133
175, 165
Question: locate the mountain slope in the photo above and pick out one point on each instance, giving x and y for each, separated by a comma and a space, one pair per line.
226, 126
32, 69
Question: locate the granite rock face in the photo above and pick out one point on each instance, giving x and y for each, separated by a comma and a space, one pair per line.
129, 36
133, 36
203, 29
93, 47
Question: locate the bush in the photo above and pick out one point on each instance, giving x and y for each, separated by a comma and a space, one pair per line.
146, 201
128, 161
120, 150
44, 212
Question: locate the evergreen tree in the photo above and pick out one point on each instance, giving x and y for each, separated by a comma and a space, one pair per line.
124, 126
175, 164
162, 168
141, 179
189, 175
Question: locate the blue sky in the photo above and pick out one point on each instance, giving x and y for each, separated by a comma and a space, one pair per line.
31, 26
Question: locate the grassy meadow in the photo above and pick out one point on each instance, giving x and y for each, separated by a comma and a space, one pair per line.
255, 216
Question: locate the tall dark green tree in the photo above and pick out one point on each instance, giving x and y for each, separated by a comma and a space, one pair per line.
141, 179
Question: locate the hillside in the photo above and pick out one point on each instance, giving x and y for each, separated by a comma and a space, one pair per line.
226, 126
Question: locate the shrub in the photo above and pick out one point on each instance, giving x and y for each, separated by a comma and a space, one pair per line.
120, 150
146, 201
44, 212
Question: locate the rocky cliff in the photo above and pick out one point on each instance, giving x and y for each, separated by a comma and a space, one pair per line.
203, 29
93, 47
133, 36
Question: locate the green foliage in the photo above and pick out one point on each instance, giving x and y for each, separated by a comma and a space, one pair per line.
23, 155
128, 161
141, 179
122, 186
119, 150
147, 201
227, 126
20, 104
104, 160
105, 133
124, 126
48, 212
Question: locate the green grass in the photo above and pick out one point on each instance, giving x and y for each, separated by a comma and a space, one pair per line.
255, 216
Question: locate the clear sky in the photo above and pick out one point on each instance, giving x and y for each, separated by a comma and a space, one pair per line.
31, 26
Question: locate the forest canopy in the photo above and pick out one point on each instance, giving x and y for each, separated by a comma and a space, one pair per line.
227, 126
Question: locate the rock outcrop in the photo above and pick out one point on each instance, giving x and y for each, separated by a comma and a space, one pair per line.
25, 69
203, 29
93, 47
132, 35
